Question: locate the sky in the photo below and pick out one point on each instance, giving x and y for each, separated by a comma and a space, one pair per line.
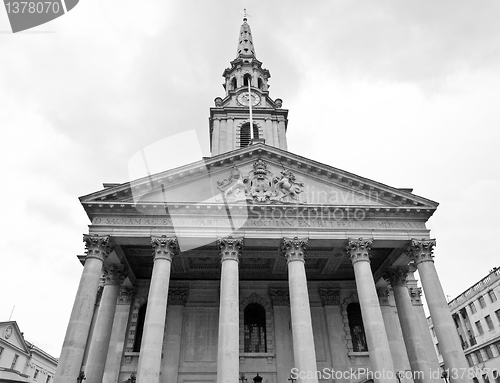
401, 92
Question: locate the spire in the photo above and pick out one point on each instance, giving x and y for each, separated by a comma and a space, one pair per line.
245, 43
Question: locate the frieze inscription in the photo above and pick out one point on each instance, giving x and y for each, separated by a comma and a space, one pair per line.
259, 222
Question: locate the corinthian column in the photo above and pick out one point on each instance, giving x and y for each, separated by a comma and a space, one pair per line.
303, 341
228, 347
70, 361
451, 349
148, 370
376, 335
96, 360
409, 325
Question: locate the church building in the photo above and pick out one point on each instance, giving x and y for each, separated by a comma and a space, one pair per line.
257, 264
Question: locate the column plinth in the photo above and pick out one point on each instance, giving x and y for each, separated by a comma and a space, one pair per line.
228, 350
451, 349
376, 335
304, 353
164, 249
73, 349
94, 369
409, 325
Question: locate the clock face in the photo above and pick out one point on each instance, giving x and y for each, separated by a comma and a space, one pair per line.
244, 98
8, 332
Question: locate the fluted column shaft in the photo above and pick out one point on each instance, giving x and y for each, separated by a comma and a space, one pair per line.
148, 370
303, 341
449, 344
228, 346
376, 335
99, 344
409, 326
73, 349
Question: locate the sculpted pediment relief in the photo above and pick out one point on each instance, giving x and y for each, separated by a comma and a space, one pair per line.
261, 185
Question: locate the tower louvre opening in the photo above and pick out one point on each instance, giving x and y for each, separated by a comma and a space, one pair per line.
245, 137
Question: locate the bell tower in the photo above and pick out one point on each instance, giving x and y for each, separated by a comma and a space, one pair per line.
246, 103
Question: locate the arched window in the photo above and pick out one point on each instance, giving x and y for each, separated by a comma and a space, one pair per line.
255, 328
356, 326
233, 83
247, 79
260, 83
139, 328
245, 134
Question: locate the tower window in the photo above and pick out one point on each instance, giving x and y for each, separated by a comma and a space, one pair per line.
245, 134
255, 328
233, 83
139, 329
247, 79
260, 84
356, 327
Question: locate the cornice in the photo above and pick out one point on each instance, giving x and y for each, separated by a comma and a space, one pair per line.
213, 209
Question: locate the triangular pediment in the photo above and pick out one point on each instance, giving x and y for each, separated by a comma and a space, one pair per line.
259, 174
10, 333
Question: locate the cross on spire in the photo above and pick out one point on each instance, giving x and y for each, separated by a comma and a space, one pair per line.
245, 14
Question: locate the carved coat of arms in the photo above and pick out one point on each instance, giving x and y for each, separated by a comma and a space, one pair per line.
261, 186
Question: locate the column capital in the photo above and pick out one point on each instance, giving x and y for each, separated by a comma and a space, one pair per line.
125, 296
279, 296
415, 293
114, 274
97, 246
384, 296
412, 267
329, 297
294, 249
164, 247
396, 275
359, 249
421, 250
177, 296
230, 248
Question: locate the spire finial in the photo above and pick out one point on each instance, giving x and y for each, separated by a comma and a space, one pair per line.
245, 14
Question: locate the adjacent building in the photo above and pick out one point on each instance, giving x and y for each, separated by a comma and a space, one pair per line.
256, 264
476, 314
21, 361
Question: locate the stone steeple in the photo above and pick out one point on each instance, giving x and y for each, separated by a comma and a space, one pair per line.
246, 82
245, 43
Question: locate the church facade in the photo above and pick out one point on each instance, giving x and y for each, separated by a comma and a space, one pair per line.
256, 264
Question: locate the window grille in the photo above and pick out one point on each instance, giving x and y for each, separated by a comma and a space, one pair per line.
255, 328
356, 326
